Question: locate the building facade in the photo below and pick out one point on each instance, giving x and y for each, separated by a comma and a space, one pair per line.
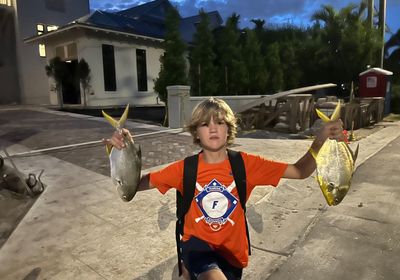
122, 51
22, 66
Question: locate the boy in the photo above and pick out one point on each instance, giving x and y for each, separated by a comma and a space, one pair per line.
219, 250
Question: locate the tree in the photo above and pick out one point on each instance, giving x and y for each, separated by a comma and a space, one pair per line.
347, 43
392, 56
84, 77
57, 70
256, 76
273, 62
231, 68
202, 69
173, 64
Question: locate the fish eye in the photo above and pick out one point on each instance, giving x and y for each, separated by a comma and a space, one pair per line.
119, 182
331, 186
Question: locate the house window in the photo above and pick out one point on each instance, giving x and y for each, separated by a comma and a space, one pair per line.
5, 2
51, 28
42, 50
110, 83
55, 5
42, 47
141, 69
40, 29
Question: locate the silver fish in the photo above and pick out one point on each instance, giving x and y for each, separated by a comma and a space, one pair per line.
125, 164
335, 165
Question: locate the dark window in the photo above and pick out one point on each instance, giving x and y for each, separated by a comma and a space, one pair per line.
141, 70
109, 68
55, 5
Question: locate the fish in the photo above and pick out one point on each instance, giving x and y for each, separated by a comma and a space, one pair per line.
335, 164
125, 164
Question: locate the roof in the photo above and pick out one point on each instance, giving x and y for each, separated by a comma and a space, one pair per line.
147, 20
377, 70
156, 9
188, 25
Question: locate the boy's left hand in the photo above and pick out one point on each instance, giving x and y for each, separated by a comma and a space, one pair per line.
332, 130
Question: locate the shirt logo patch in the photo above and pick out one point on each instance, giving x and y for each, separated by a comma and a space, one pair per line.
216, 204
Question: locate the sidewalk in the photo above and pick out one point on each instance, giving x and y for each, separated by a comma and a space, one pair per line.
79, 228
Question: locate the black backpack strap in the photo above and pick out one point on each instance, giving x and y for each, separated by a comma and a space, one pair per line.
239, 174
183, 202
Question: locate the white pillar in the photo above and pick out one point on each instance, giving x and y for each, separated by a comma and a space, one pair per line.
178, 105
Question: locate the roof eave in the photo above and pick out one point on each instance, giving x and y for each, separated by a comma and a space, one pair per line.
377, 70
76, 25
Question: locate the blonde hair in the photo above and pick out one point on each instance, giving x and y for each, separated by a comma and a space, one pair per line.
219, 111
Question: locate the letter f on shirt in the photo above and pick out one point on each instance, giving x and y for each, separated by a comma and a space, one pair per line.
214, 204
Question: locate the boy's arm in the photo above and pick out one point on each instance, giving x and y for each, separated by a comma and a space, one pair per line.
305, 166
144, 183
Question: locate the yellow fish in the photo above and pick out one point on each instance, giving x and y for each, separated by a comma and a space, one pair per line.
335, 165
125, 164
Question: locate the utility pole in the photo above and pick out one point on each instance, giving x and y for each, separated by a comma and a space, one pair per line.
382, 26
370, 16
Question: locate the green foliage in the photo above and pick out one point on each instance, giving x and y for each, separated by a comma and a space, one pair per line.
335, 49
231, 69
347, 43
57, 70
392, 56
255, 78
202, 69
84, 74
395, 101
273, 62
173, 64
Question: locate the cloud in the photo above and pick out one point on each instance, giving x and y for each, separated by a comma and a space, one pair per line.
272, 11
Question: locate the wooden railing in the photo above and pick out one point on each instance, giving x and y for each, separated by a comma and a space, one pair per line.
296, 112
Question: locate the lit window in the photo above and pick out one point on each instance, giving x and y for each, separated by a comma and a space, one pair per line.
42, 50
51, 28
5, 2
40, 29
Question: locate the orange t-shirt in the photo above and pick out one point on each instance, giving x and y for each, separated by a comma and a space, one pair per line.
216, 215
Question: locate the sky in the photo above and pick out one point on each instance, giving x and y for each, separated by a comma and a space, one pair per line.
297, 12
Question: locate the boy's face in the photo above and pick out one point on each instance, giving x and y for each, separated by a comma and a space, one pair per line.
213, 135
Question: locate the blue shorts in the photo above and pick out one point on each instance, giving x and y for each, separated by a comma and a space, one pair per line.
199, 257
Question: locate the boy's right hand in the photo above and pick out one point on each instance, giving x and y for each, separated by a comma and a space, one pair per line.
117, 139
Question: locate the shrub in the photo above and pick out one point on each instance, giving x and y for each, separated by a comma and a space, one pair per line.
395, 101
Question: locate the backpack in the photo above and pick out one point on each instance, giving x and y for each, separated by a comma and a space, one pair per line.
189, 182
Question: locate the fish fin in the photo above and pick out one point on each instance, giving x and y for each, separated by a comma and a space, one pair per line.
108, 149
355, 154
114, 122
124, 116
336, 113
322, 116
110, 119
313, 153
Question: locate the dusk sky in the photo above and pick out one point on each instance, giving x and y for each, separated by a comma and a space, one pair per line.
296, 12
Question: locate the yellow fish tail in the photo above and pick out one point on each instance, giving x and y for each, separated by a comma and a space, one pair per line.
114, 122
117, 124
335, 115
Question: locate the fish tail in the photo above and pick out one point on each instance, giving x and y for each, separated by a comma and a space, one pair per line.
110, 119
114, 122
108, 149
335, 115
124, 116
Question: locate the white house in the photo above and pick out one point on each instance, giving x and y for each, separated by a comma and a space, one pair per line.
22, 66
122, 49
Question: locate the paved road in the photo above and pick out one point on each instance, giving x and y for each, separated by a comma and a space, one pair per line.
79, 228
360, 238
